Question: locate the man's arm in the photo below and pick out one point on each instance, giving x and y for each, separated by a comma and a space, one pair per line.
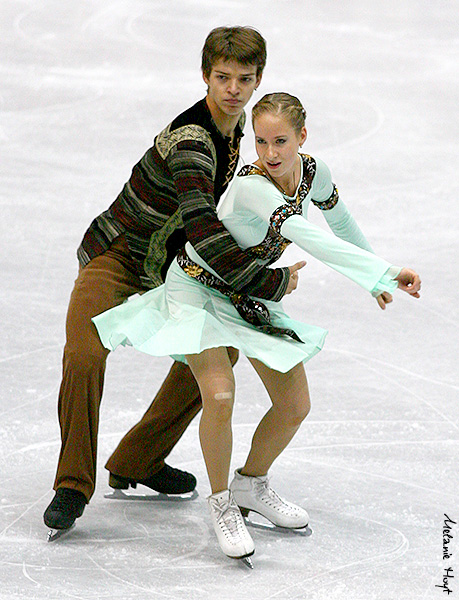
192, 168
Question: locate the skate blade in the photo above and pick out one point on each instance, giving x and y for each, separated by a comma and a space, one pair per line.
244, 560
268, 526
154, 497
55, 534
247, 561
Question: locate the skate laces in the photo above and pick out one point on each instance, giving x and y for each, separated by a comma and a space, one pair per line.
264, 493
228, 515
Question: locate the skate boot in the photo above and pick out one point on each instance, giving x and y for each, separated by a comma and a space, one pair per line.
166, 481
232, 534
66, 506
255, 494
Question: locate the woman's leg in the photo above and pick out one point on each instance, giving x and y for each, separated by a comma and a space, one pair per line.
289, 395
290, 405
142, 451
214, 375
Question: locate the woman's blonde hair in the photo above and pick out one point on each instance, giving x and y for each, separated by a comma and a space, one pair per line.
281, 104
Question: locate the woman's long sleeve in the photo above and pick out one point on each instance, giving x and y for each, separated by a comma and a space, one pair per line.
361, 266
343, 225
260, 198
338, 216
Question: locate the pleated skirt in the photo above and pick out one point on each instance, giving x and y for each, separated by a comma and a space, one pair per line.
183, 316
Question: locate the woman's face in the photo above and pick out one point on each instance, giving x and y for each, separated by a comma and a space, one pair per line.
277, 144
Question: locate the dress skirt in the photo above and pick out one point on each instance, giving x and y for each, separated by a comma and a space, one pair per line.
183, 316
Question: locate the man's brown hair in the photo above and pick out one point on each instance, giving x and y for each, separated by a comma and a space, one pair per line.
244, 45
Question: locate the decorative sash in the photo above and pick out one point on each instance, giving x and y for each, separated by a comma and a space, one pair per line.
252, 311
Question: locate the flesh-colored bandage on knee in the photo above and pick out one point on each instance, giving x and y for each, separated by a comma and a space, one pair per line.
223, 396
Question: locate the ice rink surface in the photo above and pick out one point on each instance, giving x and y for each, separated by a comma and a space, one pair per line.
84, 87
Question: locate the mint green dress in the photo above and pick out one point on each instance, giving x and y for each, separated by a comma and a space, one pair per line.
184, 316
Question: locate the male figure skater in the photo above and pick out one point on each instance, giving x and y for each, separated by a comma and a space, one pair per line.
170, 198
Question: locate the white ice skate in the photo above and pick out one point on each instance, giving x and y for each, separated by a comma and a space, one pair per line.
255, 494
232, 534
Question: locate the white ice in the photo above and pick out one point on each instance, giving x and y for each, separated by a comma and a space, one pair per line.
85, 85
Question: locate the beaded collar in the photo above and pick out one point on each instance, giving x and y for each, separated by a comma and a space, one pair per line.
274, 244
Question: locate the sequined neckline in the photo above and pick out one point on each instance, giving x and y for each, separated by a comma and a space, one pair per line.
295, 196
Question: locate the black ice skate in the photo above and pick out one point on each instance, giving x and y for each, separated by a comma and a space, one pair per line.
169, 483
66, 506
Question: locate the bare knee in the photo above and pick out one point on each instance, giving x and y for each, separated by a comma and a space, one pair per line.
295, 412
222, 404
214, 375
218, 400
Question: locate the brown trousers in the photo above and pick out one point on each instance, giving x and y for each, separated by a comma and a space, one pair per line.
106, 282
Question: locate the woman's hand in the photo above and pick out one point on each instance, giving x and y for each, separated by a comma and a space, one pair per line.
383, 299
409, 282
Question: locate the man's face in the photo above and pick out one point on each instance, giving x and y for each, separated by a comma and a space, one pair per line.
231, 86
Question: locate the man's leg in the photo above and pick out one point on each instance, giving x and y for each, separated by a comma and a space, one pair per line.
102, 284
142, 451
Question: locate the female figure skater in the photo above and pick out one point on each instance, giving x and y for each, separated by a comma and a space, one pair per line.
196, 315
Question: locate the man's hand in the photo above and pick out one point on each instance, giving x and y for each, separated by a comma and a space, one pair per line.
409, 282
293, 281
